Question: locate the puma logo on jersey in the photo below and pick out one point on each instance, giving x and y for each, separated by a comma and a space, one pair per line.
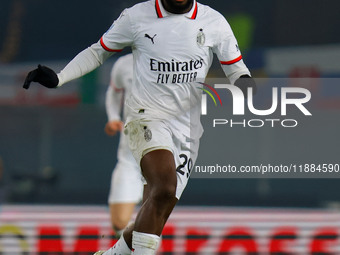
151, 38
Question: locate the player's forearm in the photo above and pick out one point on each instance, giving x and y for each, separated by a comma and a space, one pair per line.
85, 62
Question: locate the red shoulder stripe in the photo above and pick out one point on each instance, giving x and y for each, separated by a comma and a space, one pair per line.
107, 48
231, 61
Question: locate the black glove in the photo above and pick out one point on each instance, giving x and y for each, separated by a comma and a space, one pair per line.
244, 82
44, 75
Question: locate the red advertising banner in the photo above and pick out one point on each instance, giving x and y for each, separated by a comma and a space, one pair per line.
52, 230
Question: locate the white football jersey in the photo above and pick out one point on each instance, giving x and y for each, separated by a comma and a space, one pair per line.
172, 54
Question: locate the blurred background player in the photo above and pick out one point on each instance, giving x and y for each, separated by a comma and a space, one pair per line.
2, 192
126, 184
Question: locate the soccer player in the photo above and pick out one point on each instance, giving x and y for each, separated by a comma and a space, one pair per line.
173, 42
126, 182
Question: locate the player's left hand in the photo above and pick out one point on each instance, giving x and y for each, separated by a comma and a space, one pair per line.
112, 127
43, 75
245, 82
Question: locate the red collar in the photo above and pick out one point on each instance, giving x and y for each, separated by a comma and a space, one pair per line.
161, 12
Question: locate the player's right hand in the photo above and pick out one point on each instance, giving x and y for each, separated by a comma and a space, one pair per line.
43, 75
112, 127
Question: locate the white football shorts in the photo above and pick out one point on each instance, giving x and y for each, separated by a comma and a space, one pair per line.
148, 135
126, 180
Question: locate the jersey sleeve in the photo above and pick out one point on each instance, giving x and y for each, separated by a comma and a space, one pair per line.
227, 50
85, 62
119, 35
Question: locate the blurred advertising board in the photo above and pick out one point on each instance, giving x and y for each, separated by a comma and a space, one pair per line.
190, 230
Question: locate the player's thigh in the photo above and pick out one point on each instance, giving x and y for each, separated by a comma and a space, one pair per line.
159, 170
146, 135
151, 144
149, 136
